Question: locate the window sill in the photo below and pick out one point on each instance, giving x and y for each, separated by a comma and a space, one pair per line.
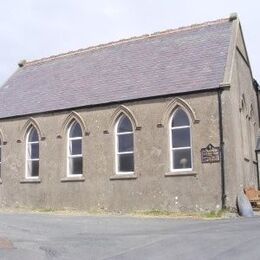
184, 173
36, 180
123, 177
73, 179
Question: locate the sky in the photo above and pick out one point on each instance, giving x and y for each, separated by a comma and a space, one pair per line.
32, 29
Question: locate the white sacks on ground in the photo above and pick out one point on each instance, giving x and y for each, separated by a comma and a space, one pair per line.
244, 206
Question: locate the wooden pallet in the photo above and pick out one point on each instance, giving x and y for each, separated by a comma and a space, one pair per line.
253, 196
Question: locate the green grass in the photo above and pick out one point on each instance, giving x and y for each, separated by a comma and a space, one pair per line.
155, 212
146, 213
214, 214
200, 215
44, 210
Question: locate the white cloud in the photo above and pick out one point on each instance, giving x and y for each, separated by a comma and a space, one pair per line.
33, 29
111, 11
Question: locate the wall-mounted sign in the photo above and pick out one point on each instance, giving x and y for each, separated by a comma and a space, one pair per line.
210, 154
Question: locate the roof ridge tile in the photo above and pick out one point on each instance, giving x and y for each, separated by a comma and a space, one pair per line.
126, 40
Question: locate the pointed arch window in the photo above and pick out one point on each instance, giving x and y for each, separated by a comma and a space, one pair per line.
74, 150
180, 145
124, 146
252, 132
32, 153
245, 127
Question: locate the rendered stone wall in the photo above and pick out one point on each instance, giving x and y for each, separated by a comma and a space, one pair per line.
100, 189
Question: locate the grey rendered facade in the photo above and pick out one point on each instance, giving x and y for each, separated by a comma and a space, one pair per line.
145, 79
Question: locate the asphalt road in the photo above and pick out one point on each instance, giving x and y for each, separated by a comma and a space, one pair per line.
43, 236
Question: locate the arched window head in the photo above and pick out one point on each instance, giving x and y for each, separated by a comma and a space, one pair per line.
32, 153
75, 130
33, 136
124, 146
74, 151
181, 145
180, 118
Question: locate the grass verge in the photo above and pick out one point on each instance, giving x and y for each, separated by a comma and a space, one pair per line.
199, 215
219, 214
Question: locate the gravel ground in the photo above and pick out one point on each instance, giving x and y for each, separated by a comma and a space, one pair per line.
52, 236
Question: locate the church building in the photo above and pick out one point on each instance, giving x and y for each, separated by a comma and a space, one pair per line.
164, 121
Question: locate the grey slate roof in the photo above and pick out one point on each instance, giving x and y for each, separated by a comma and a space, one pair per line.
170, 62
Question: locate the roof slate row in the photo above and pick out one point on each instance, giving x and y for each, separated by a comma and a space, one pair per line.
170, 62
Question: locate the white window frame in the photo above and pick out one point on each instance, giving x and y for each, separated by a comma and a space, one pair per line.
117, 153
69, 156
27, 175
179, 148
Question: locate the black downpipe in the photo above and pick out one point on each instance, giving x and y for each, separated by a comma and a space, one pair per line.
223, 183
256, 87
257, 171
257, 98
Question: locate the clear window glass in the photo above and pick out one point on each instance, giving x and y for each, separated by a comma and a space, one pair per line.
75, 159
32, 153
124, 146
180, 118
181, 148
